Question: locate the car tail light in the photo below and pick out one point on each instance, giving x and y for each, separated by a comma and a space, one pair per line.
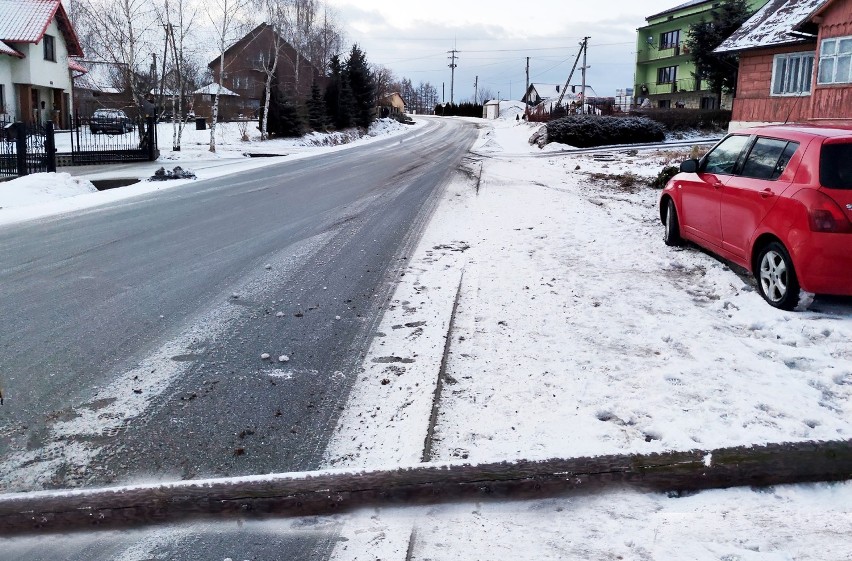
824, 215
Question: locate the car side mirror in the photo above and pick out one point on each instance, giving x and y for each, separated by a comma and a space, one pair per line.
689, 166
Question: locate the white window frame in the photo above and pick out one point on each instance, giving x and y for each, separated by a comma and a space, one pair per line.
830, 52
788, 84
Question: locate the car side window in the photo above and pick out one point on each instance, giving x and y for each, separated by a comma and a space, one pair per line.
767, 158
723, 159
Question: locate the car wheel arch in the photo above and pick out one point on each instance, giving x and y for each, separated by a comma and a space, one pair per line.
761, 242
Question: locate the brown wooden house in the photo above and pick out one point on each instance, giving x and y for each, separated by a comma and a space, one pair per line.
246, 60
795, 64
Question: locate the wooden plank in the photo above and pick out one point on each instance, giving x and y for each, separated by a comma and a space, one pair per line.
288, 495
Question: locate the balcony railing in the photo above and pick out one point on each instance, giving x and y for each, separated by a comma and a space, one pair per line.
683, 85
651, 52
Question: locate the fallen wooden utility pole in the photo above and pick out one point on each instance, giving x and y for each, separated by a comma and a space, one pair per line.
334, 491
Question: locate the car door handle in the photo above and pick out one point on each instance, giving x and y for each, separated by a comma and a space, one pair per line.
718, 185
766, 193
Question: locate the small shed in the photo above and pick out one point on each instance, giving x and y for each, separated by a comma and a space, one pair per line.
491, 110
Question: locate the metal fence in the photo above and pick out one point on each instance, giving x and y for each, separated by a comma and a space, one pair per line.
96, 142
27, 148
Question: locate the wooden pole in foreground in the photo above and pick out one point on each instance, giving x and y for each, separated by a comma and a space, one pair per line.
321, 493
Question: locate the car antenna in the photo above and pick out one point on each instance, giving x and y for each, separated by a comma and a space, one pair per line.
799, 96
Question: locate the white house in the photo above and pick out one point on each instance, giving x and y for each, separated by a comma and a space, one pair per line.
37, 46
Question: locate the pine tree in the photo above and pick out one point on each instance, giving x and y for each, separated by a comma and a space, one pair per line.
284, 119
719, 70
338, 96
363, 87
317, 118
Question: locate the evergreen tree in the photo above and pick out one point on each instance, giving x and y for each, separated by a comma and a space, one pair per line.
317, 118
284, 119
338, 95
719, 70
363, 87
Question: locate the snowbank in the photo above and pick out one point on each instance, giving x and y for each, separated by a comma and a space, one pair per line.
41, 188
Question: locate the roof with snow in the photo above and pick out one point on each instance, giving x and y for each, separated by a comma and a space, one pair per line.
100, 76
26, 21
546, 91
212, 89
771, 25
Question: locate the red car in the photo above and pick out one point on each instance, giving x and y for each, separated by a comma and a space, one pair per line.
776, 200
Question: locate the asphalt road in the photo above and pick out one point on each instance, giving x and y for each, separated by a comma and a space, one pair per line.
133, 333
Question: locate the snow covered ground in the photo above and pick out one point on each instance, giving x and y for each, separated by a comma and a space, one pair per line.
578, 332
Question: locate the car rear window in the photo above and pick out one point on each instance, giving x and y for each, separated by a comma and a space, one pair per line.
835, 166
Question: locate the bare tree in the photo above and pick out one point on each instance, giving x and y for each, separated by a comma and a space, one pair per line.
119, 32
326, 40
177, 18
384, 80
226, 16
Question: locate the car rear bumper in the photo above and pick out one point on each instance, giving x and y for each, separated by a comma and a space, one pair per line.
824, 263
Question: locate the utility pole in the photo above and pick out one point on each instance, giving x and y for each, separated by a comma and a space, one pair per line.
585, 47
453, 66
527, 91
475, 90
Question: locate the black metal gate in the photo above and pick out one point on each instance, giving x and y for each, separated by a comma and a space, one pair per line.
96, 142
27, 148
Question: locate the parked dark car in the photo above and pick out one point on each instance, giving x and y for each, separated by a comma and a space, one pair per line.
111, 120
776, 200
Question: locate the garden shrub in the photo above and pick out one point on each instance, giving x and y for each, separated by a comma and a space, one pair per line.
587, 131
663, 177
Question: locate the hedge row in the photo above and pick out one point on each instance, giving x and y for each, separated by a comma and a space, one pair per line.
587, 131
686, 119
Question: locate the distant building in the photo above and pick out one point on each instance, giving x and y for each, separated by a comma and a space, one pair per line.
245, 76
795, 63
665, 74
391, 104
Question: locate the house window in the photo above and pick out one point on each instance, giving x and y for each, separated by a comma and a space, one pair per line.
664, 104
667, 75
49, 48
708, 103
835, 61
669, 40
2, 98
792, 74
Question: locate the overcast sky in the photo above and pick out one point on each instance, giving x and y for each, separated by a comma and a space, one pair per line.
494, 38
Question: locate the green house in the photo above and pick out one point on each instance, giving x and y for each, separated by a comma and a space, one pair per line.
665, 75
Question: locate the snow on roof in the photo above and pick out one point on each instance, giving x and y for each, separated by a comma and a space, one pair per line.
771, 25
546, 91
100, 77
211, 89
7, 50
25, 21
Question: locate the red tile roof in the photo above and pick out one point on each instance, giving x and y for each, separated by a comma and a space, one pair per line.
7, 50
25, 21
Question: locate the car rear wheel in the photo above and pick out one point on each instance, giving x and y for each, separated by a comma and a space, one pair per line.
776, 277
671, 233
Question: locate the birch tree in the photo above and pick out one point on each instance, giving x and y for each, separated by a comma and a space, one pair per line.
119, 31
226, 17
177, 18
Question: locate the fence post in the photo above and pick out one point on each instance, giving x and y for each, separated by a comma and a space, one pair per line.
21, 147
50, 146
153, 153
